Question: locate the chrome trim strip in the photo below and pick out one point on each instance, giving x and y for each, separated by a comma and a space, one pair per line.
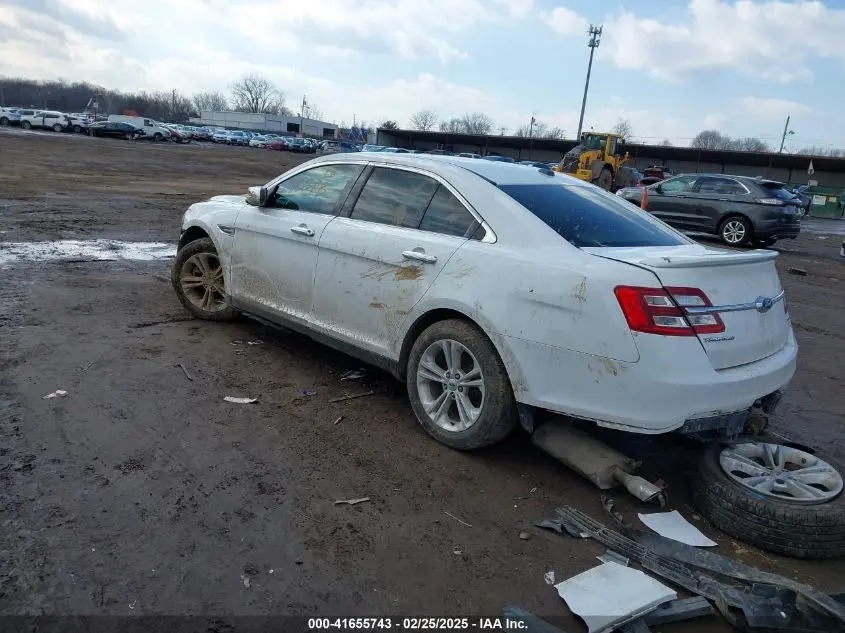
760, 304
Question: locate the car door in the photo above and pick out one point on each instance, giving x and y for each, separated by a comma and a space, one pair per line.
382, 254
669, 201
714, 196
275, 246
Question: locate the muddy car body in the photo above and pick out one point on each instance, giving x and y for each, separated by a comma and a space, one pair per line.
495, 290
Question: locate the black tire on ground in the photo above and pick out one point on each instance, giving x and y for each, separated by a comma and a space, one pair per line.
605, 179
730, 222
799, 531
57, 128
77, 129
204, 245
4, 121
26, 125
158, 136
498, 415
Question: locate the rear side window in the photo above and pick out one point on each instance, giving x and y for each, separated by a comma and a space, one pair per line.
587, 216
724, 186
395, 197
776, 190
446, 215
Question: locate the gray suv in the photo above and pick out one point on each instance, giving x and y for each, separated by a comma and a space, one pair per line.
739, 209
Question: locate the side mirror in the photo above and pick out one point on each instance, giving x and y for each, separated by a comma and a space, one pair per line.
257, 196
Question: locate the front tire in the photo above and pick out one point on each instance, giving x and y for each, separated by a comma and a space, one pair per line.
158, 136
57, 128
458, 386
736, 231
26, 125
605, 179
198, 279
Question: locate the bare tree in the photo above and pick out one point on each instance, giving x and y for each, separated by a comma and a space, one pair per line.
453, 125
213, 101
708, 139
541, 130
666, 143
424, 120
750, 144
253, 93
477, 123
622, 127
312, 111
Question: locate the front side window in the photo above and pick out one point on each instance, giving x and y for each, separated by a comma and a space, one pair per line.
681, 184
395, 197
445, 214
588, 216
316, 190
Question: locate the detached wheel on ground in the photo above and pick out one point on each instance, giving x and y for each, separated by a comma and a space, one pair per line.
780, 499
736, 231
458, 387
198, 280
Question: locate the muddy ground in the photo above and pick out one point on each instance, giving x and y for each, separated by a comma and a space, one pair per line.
143, 492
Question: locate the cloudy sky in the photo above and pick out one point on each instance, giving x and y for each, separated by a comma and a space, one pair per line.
671, 67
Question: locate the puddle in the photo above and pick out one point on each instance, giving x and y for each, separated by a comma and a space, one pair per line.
88, 250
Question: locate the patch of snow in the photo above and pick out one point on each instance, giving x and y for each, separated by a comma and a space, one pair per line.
99, 250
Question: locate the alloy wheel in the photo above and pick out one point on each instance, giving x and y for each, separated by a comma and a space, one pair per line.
450, 385
781, 472
201, 278
733, 232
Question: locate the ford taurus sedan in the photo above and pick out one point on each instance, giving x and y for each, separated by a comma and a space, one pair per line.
495, 291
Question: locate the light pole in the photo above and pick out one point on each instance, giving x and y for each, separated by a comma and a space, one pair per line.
595, 34
786, 131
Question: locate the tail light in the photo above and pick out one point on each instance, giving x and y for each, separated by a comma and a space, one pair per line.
661, 311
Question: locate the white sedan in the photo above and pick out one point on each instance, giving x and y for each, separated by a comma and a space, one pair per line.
258, 141
494, 291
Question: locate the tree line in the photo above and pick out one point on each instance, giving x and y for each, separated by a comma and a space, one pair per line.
251, 93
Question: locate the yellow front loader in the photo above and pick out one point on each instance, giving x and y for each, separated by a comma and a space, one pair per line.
596, 159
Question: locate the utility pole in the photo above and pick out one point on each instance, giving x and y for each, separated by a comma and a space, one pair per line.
531, 137
786, 131
302, 114
593, 43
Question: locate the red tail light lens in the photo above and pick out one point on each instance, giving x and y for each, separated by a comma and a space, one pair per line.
661, 311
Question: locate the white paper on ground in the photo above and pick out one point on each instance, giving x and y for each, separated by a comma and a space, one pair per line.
674, 526
610, 595
240, 400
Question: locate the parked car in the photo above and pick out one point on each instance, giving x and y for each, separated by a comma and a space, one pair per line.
153, 130
739, 209
258, 141
278, 144
220, 136
300, 146
396, 150
501, 159
44, 119
237, 137
9, 116
115, 129
202, 134
799, 192
450, 260
179, 136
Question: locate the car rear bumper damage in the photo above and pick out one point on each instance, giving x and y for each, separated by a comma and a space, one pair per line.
645, 396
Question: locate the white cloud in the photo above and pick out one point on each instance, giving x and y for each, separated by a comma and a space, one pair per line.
564, 21
715, 120
765, 108
769, 39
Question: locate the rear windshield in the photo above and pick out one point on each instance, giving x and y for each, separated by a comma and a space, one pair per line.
588, 216
776, 190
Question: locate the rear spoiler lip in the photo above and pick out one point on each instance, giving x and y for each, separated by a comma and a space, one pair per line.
673, 260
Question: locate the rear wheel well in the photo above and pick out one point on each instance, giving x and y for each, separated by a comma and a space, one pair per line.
191, 235
426, 320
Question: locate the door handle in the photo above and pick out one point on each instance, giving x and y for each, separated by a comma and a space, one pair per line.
420, 256
302, 230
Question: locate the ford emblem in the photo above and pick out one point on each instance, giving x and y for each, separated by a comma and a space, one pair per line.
763, 304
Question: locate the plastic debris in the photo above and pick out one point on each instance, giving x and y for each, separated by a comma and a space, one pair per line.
610, 595
456, 519
797, 271
336, 422
354, 374
678, 610
549, 577
351, 502
58, 393
255, 342
185, 371
245, 578
240, 400
612, 557
308, 392
524, 536
674, 526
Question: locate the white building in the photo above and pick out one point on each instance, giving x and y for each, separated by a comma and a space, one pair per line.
266, 123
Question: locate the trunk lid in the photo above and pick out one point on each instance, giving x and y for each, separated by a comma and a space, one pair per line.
756, 325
